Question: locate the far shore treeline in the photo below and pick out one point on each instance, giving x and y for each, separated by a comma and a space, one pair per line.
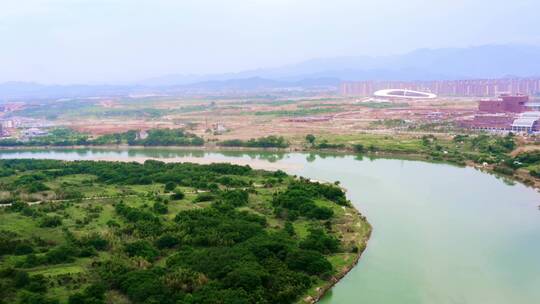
68, 137
63, 137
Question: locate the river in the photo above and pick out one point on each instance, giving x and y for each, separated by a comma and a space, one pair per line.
442, 234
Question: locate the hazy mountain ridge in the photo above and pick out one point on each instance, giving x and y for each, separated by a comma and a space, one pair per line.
489, 61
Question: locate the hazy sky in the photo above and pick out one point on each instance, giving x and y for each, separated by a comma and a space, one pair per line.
110, 41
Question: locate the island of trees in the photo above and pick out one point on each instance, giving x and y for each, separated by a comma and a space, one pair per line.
106, 232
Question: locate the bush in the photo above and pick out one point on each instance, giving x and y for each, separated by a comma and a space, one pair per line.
169, 186
23, 248
263, 142
204, 197
160, 208
318, 240
359, 148
308, 261
50, 221
142, 249
93, 294
167, 241
235, 198
61, 254
178, 195
96, 241
27, 297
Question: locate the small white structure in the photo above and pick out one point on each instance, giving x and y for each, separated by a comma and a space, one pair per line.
219, 128
533, 105
404, 94
142, 134
35, 132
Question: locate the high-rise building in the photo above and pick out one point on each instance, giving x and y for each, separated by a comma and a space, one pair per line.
459, 88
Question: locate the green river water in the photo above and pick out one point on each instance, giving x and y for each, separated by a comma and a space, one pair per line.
442, 234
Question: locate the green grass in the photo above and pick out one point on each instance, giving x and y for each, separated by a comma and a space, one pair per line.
55, 270
384, 143
341, 260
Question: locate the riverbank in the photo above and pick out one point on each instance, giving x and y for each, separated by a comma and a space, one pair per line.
319, 292
521, 176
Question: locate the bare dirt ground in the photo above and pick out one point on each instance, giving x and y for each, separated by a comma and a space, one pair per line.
250, 117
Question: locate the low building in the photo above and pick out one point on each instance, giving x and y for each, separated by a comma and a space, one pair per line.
490, 122
533, 106
34, 132
219, 128
504, 104
527, 122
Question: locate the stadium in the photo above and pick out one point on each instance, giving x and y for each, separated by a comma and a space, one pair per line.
404, 94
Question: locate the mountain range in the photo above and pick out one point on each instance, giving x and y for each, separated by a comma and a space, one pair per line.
488, 61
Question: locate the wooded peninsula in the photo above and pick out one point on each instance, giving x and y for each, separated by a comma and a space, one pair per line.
111, 232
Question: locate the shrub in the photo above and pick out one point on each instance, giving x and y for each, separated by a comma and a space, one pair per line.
50, 221
160, 208
311, 262
169, 186
178, 195
143, 249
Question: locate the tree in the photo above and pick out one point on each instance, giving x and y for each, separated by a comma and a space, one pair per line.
143, 249
169, 186
178, 195
93, 294
167, 241
309, 261
160, 208
359, 148
310, 138
27, 297
289, 228
50, 221
318, 240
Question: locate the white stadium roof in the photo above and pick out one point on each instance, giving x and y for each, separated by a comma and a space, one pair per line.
524, 122
526, 119
405, 94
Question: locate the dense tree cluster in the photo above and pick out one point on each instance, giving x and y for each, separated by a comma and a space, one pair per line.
185, 174
299, 199
67, 137
56, 137
31, 289
169, 137
219, 250
263, 142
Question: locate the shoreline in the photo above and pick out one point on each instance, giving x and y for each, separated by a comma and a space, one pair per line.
519, 176
323, 290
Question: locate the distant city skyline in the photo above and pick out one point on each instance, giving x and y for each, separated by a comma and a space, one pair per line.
120, 41
460, 88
